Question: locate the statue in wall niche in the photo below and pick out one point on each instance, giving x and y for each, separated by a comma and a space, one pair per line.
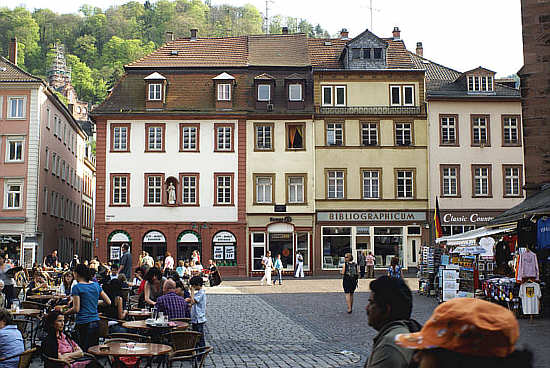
171, 190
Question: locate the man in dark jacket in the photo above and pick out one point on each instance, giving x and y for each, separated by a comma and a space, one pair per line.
361, 262
389, 312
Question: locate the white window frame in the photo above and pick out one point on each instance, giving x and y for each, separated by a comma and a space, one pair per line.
63, 175
264, 190
296, 188
448, 124
400, 133
407, 179
512, 180
9, 195
398, 88
225, 200
120, 144
450, 181
369, 183
267, 142
154, 188
15, 140
224, 92
52, 204
336, 89
21, 110
154, 142
368, 129
45, 194
481, 178
224, 144
260, 86
412, 96
120, 188
47, 161
337, 180
297, 87
477, 126
187, 144
333, 130
257, 245
48, 116
154, 92
509, 128
189, 190
331, 102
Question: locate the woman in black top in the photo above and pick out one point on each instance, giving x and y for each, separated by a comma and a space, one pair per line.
350, 275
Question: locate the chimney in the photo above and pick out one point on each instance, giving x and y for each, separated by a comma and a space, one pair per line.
13, 51
194, 34
419, 49
169, 36
285, 30
396, 34
344, 34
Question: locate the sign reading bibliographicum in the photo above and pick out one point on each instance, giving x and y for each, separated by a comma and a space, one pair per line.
372, 216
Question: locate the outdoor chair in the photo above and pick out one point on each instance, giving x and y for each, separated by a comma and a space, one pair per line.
32, 305
129, 336
25, 326
187, 320
184, 340
24, 358
58, 363
196, 356
103, 327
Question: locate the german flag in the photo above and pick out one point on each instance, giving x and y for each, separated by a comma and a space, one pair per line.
437, 220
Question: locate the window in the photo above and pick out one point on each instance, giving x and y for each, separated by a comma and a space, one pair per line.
48, 116
511, 130
47, 163
477, 83
335, 134
14, 150
258, 241
480, 130
408, 95
154, 138
355, 53
223, 188
224, 92
52, 203
16, 107
263, 185
45, 194
155, 92
55, 125
327, 96
369, 134
64, 133
334, 95
336, 243
481, 181
395, 94
295, 136
189, 137
264, 92
190, 189
366, 53
63, 170
120, 138
450, 180
296, 187
378, 53
13, 192
224, 137
58, 165
264, 136
53, 163
512, 180
1, 105
403, 134
448, 130
154, 189
340, 92
371, 183
405, 183
120, 184
295, 92
401, 95
336, 184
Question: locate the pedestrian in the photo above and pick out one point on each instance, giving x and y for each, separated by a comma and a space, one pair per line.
389, 312
395, 269
198, 307
148, 261
299, 265
349, 279
279, 267
168, 264
126, 262
214, 277
369, 259
267, 264
467, 333
361, 261
74, 262
8, 281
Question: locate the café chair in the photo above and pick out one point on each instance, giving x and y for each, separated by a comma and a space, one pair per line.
187, 320
24, 358
129, 336
183, 340
58, 363
25, 326
196, 356
32, 305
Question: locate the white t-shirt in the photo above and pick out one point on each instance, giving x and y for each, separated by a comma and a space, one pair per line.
529, 293
268, 263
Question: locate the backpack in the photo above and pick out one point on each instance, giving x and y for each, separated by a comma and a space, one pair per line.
351, 270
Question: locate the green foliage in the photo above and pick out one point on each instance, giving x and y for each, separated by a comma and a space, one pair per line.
98, 43
62, 98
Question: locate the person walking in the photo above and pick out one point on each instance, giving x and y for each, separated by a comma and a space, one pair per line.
267, 263
369, 260
361, 262
168, 264
9, 291
299, 265
126, 262
395, 269
349, 279
279, 267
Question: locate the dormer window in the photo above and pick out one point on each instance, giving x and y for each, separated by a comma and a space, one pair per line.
378, 53
295, 92
155, 89
264, 86
479, 83
264, 92
224, 92
155, 93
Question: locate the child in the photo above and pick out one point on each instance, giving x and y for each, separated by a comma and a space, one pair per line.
198, 307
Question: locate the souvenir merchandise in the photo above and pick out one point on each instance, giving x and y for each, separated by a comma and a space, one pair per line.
528, 266
530, 294
527, 233
543, 233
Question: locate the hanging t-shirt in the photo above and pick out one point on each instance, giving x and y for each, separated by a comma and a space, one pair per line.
543, 233
527, 233
529, 293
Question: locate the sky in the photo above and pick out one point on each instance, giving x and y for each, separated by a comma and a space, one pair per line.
458, 34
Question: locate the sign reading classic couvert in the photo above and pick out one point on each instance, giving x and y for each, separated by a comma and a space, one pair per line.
371, 216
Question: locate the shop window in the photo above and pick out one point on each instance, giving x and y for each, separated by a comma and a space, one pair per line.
336, 242
282, 243
258, 250
295, 137
11, 246
362, 240
302, 246
388, 243
224, 249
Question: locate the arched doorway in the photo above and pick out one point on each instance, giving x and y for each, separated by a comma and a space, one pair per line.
154, 243
188, 241
114, 244
224, 246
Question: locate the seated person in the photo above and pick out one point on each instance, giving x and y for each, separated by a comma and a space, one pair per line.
2, 296
171, 304
180, 269
37, 285
67, 283
138, 277
186, 271
115, 311
123, 282
11, 341
197, 268
59, 346
182, 290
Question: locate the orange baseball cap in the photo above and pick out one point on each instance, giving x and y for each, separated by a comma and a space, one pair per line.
468, 326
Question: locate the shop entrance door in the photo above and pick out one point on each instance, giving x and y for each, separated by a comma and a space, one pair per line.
186, 249
281, 243
155, 250
413, 247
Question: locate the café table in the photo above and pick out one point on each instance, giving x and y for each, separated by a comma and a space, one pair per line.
139, 314
46, 297
26, 312
142, 325
121, 349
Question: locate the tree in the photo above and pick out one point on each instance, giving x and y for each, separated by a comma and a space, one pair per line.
85, 48
18, 23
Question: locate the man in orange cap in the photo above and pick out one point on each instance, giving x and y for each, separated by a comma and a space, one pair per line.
467, 333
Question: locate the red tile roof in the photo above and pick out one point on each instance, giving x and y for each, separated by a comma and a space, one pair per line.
276, 50
397, 55
325, 52
10, 72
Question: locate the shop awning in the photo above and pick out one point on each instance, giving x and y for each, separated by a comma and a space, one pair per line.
537, 204
469, 237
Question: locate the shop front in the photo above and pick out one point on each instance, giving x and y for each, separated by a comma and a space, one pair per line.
154, 243
455, 222
11, 244
387, 234
188, 241
285, 236
224, 245
114, 244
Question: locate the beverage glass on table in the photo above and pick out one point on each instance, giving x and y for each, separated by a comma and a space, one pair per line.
130, 345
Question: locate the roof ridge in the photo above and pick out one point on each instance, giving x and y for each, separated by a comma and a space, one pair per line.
38, 79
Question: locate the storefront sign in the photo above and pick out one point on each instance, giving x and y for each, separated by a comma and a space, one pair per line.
224, 244
229, 252
115, 252
224, 237
371, 216
218, 252
154, 237
281, 219
467, 218
280, 208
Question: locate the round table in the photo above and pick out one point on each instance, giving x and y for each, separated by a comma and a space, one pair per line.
142, 325
46, 297
119, 349
26, 312
139, 313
